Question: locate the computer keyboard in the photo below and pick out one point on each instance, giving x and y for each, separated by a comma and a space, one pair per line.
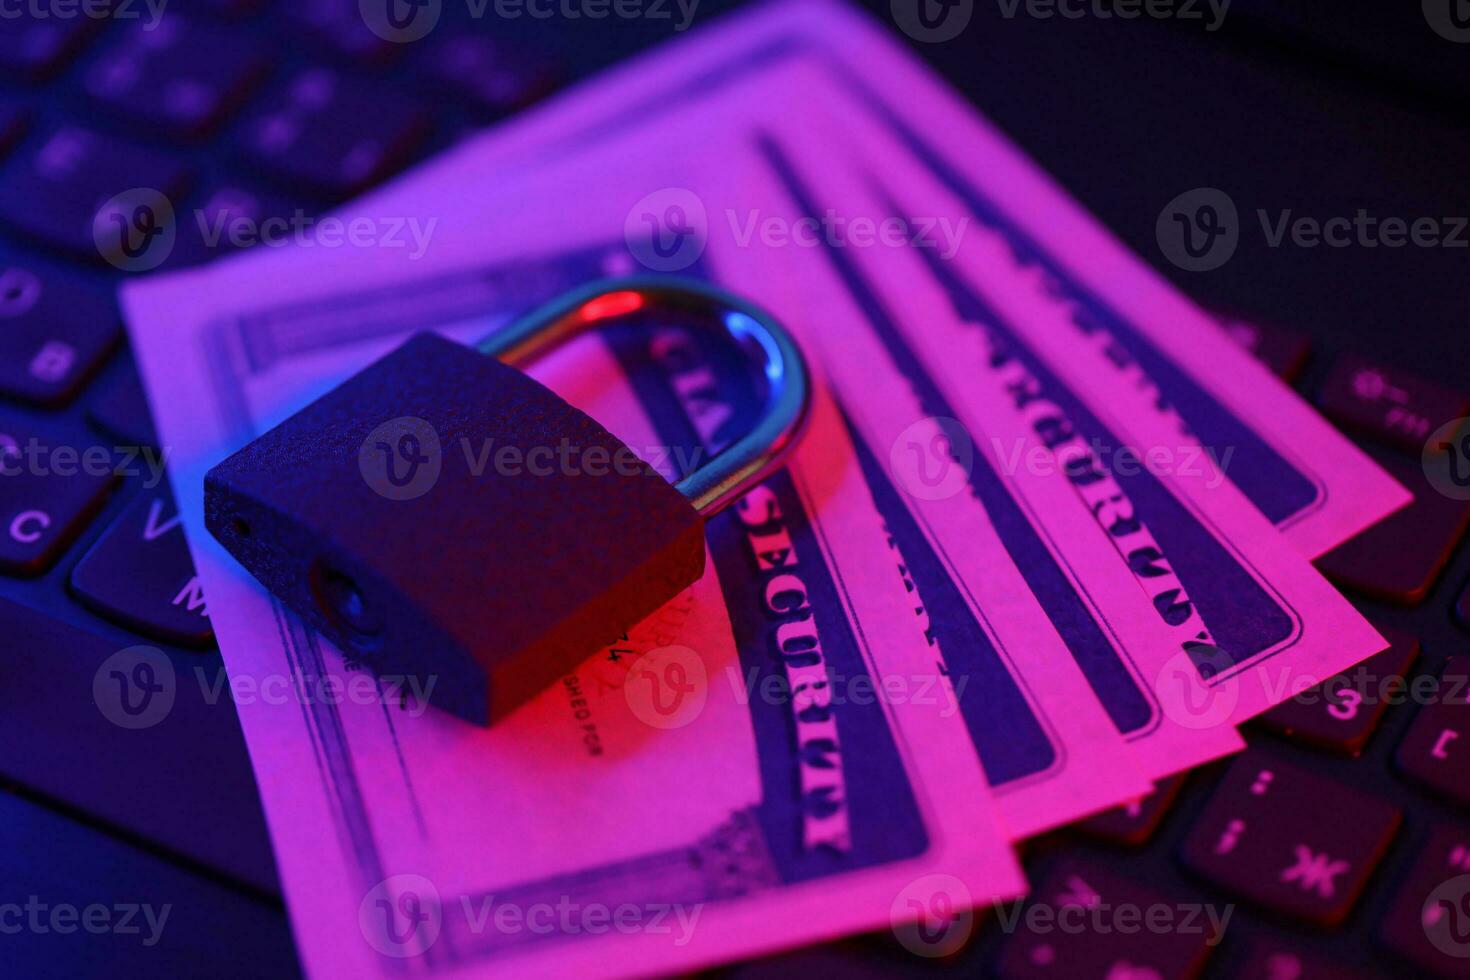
1324, 838
232, 109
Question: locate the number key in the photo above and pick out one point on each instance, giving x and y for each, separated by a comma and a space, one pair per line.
1342, 712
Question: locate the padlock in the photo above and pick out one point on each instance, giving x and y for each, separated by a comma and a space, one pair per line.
386, 515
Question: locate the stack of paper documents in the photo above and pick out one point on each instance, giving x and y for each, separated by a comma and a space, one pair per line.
1047, 540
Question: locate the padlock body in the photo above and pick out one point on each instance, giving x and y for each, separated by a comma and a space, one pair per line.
444, 516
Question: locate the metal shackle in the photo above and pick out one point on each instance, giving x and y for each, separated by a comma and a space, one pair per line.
749, 459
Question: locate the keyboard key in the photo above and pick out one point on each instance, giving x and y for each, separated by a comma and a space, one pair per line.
1132, 824
487, 72
56, 193
141, 739
1426, 923
52, 480
233, 216
1341, 713
182, 77
1400, 558
1289, 840
121, 409
37, 48
1436, 750
1077, 924
139, 573
338, 26
212, 929
56, 328
1267, 960
1462, 607
334, 133
1284, 351
1388, 405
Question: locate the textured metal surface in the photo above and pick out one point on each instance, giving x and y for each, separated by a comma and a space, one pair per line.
493, 583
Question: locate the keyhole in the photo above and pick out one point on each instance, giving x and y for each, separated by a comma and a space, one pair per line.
345, 605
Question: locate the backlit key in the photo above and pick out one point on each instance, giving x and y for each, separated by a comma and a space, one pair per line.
56, 327
1084, 920
140, 573
1388, 405
1342, 712
1279, 836
1400, 558
1428, 922
52, 480
1436, 749
1132, 824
